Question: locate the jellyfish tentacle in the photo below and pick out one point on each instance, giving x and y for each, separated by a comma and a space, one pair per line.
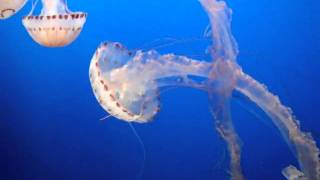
207, 31
33, 6
106, 117
220, 108
224, 44
140, 175
162, 66
53, 7
160, 43
221, 82
302, 143
66, 6
181, 82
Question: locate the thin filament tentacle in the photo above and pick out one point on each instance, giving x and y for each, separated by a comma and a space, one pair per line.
34, 5
142, 148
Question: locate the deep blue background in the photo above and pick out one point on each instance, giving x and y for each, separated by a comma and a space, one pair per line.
49, 118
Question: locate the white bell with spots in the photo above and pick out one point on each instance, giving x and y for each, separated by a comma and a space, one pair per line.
56, 26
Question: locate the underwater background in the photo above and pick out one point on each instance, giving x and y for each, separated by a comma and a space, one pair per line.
49, 117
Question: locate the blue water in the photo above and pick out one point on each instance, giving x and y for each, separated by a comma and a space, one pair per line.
49, 118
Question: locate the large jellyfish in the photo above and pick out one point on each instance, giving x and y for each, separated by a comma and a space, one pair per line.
56, 26
10, 7
126, 85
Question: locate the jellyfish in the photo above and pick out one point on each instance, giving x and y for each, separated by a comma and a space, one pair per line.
111, 72
9, 7
56, 26
127, 84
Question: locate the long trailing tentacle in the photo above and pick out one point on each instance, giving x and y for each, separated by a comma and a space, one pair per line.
220, 108
142, 148
222, 80
302, 143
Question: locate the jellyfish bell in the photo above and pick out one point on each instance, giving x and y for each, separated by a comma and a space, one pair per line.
118, 88
56, 26
10, 7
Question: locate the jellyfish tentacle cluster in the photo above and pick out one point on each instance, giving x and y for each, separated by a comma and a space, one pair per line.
9, 7
56, 26
127, 84
233, 78
225, 49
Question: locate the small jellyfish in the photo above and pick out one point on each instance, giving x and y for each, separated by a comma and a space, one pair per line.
56, 26
9, 7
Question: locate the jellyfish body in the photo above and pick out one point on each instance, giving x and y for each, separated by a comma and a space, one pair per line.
10, 7
128, 100
127, 84
123, 83
56, 26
